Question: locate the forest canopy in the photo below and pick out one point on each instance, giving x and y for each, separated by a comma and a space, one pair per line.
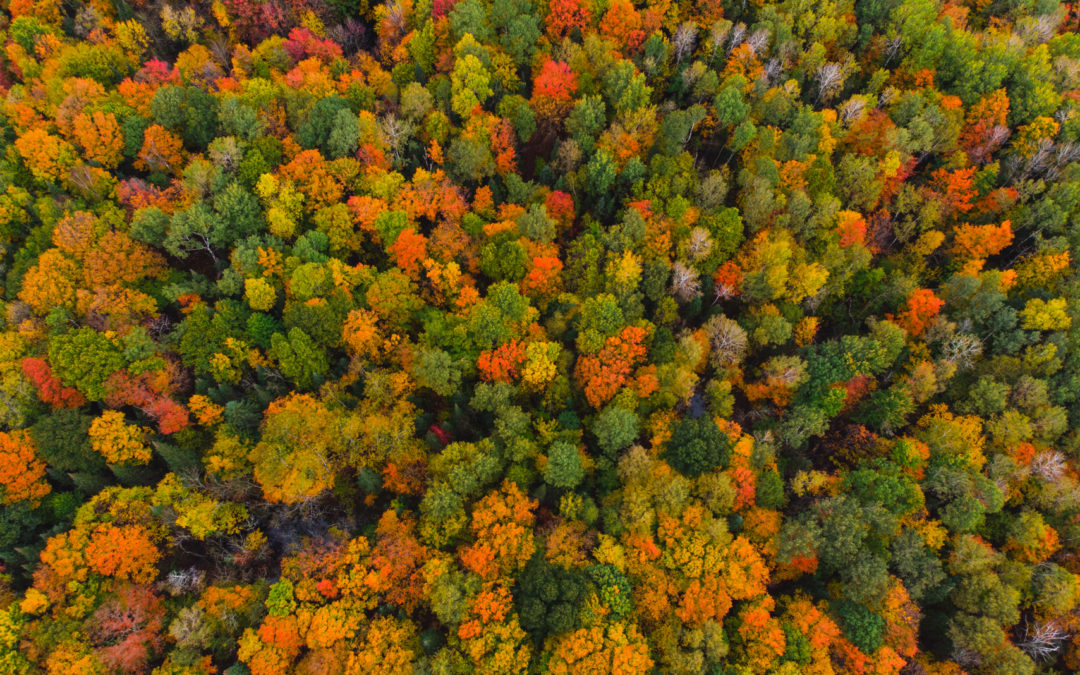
507, 336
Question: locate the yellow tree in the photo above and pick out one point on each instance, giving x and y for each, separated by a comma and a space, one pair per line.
301, 449
615, 649
117, 441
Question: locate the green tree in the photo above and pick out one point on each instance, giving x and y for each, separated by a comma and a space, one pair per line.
471, 84
564, 468
438, 371
84, 359
697, 446
299, 358
615, 429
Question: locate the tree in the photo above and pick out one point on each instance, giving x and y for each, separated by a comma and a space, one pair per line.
1041, 314
299, 358
586, 120
518, 25
471, 84
565, 16
161, 151
391, 647
564, 468
438, 371
394, 298
919, 312
189, 110
409, 250
84, 359
553, 89
118, 442
502, 364
291, 464
48, 157
615, 429
973, 242
611, 648
605, 373
696, 446
123, 552
49, 388
502, 524
22, 473
98, 134
51, 283
126, 630
622, 25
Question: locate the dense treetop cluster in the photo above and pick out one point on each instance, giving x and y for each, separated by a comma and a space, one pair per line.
502, 336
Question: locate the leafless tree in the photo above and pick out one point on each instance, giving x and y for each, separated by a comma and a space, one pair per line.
830, 78
86, 20
700, 244
759, 40
219, 49
225, 153
967, 657
158, 326
892, 48
395, 132
684, 40
852, 109
1037, 30
736, 36
774, 68
189, 629
568, 156
962, 349
1042, 641
395, 16
82, 179
728, 341
1048, 465
17, 312
694, 73
349, 34
685, 282
179, 582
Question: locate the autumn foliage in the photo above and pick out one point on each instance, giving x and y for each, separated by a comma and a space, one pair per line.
605, 373
21, 472
505, 336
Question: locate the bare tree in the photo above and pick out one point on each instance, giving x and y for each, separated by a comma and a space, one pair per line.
736, 35
892, 48
1048, 465
395, 132
226, 153
179, 582
774, 68
759, 40
189, 628
685, 282
962, 349
86, 21
700, 244
684, 40
1042, 641
830, 78
852, 109
728, 341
